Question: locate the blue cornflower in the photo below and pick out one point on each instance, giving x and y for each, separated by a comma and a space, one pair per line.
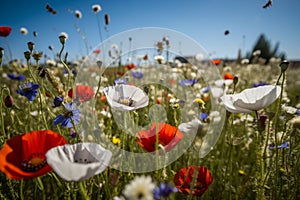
163, 190
136, 74
16, 77
29, 90
259, 84
282, 146
121, 81
203, 116
188, 82
205, 90
71, 114
58, 101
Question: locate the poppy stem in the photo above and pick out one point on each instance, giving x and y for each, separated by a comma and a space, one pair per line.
83, 191
1, 111
66, 67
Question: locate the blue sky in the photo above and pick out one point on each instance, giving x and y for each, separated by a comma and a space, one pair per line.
203, 20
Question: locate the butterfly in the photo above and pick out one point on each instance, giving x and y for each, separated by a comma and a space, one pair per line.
268, 4
50, 9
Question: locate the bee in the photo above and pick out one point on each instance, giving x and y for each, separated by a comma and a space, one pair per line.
268, 4
50, 9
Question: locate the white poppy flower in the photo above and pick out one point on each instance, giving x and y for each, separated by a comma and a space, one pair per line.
126, 97
252, 99
79, 161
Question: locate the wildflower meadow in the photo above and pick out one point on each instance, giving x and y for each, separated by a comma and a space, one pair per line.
147, 114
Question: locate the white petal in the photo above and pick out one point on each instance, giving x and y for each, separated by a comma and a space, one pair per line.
79, 161
115, 93
257, 98
228, 101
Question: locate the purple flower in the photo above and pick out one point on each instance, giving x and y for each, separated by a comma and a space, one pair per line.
70, 116
58, 101
16, 77
188, 82
29, 90
163, 190
282, 146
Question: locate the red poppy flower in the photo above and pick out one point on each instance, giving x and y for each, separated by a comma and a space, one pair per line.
97, 51
168, 136
23, 156
83, 93
216, 61
120, 73
5, 31
130, 66
228, 76
184, 178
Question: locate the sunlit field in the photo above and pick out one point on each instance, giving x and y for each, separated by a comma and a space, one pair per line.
147, 124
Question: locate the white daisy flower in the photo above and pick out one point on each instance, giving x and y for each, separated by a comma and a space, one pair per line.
126, 97
79, 161
140, 188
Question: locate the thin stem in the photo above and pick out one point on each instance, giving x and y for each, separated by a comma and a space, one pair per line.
99, 29
82, 191
66, 66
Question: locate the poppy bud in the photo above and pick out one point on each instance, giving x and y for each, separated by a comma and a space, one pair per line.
9, 101
27, 55
30, 46
106, 19
235, 80
62, 37
284, 65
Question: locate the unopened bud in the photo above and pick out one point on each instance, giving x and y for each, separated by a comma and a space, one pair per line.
9, 101
235, 80
27, 55
30, 46
1, 52
37, 55
284, 65
63, 37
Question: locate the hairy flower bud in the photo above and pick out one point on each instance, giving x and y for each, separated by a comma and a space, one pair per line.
284, 65
27, 55
9, 101
30, 46
63, 37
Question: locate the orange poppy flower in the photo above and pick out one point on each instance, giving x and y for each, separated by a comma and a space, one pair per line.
228, 76
5, 31
23, 156
83, 93
168, 136
183, 180
216, 61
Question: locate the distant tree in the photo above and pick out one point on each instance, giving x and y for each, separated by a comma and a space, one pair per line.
266, 50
